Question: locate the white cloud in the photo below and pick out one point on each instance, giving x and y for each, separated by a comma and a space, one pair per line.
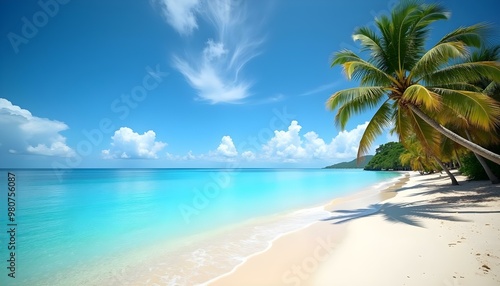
345, 144
128, 144
24, 133
214, 50
226, 147
56, 149
180, 14
289, 146
286, 145
248, 155
188, 157
214, 69
225, 152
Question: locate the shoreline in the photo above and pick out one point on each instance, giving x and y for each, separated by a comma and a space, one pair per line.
376, 241
314, 214
200, 257
376, 193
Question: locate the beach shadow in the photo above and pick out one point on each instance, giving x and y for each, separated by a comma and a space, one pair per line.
443, 208
409, 213
402, 189
469, 192
478, 195
447, 201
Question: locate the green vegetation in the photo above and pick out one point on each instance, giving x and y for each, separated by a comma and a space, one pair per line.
473, 169
352, 164
421, 93
387, 158
418, 160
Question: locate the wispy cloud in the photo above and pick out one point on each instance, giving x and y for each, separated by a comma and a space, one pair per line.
214, 70
271, 99
181, 14
321, 88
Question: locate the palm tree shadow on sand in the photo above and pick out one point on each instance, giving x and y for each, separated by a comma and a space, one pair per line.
441, 208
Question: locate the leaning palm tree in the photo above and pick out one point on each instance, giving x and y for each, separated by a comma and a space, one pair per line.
461, 126
424, 156
416, 158
411, 86
491, 89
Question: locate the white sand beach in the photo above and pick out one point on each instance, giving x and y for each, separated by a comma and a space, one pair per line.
425, 232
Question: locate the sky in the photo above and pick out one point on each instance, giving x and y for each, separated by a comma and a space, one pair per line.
184, 83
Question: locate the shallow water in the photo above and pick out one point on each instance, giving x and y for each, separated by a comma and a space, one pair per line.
165, 226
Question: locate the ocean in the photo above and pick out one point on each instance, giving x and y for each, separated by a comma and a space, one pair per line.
157, 226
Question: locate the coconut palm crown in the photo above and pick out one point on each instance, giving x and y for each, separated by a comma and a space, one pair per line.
417, 90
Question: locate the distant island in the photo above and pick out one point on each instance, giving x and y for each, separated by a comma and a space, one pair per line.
352, 164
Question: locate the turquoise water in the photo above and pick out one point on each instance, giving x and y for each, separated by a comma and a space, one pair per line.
113, 225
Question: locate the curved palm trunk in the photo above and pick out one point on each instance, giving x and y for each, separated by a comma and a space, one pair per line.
491, 176
443, 166
458, 159
455, 137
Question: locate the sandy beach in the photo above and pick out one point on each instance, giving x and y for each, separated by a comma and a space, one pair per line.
419, 231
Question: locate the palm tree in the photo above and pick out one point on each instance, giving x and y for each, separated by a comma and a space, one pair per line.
412, 86
422, 157
485, 54
416, 158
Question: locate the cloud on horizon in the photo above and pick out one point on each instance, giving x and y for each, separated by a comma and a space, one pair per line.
226, 147
24, 133
289, 146
127, 144
214, 70
286, 146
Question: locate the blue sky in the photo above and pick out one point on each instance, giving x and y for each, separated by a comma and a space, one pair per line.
193, 83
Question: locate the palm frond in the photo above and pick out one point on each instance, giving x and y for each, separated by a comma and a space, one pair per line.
479, 136
419, 31
420, 96
354, 101
464, 72
380, 120
367, 74
430, 13
369, 41
357, 68
476, 108
405, 32
486, 54
402, 18
456, 86
436, 57
426, 134
343, 56
493, 90
472, 36
402, 125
